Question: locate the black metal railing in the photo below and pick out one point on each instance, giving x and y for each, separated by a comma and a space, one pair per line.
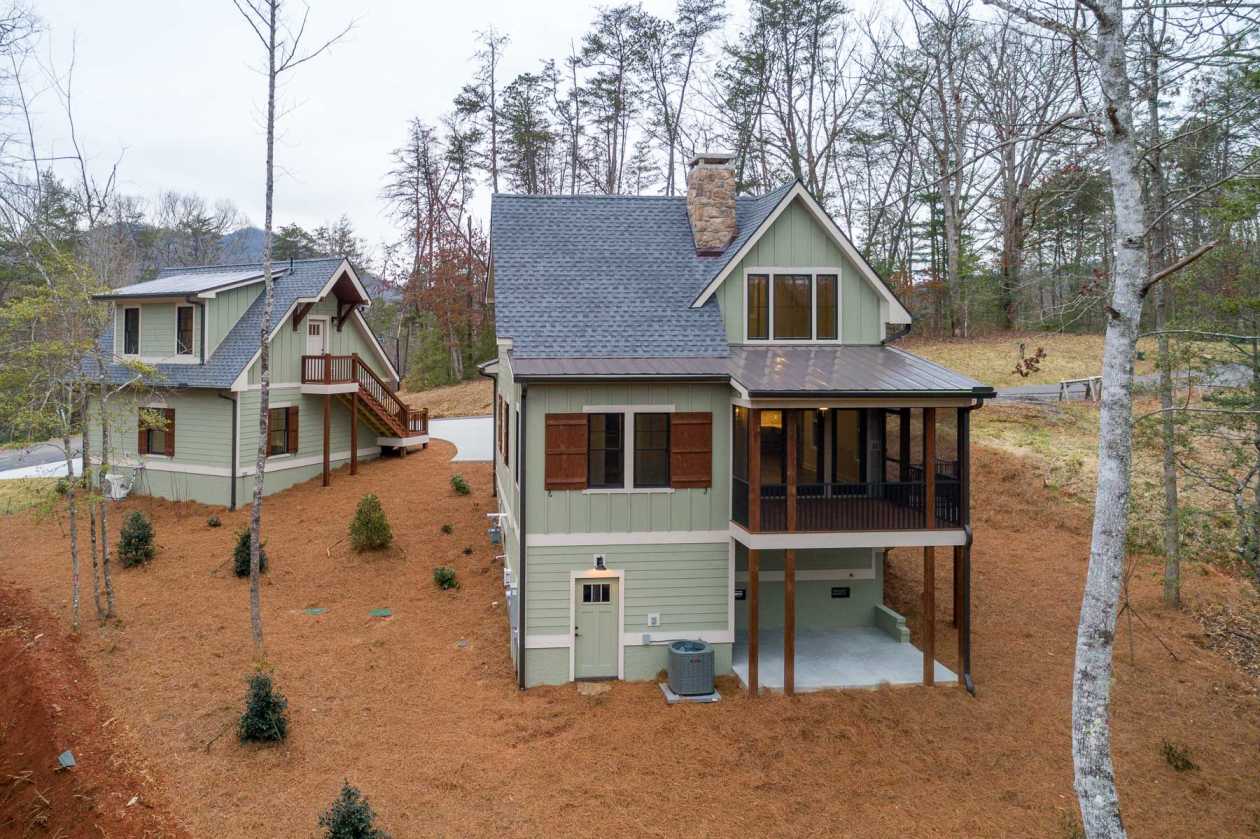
885, 505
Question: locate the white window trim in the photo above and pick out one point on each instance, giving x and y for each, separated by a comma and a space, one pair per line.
813, 273
193, 341
619, 575
627, 469
122, 333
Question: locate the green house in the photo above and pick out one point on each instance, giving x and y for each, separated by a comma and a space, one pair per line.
181, 364
704, 430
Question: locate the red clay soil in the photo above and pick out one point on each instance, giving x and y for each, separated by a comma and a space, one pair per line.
437, 736
49, 704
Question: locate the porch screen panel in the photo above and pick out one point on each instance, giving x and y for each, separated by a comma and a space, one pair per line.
791, 306
565, 456
827, 307
758, 307
809, 455
847, 447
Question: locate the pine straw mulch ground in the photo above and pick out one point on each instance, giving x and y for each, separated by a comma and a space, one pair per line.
1233, 630
436, 734
49, 703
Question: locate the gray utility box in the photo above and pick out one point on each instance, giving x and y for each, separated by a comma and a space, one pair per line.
690, 668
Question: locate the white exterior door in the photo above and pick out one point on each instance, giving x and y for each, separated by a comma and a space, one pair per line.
316, 336
596, 630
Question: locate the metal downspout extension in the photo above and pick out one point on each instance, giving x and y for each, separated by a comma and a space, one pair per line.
964, 627
232, 447
494, 424
520, 535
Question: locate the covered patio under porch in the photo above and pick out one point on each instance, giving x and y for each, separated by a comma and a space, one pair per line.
857, 657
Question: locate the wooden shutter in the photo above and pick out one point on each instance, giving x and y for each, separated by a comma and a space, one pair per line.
169, 415
566, 452
142, 443
691, 450
291, 424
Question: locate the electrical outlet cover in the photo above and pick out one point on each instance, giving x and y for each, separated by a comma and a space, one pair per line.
654, 618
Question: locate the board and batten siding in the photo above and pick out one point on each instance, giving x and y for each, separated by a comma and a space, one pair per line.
203, 427
687, 584
157, 329
225, 310
289, 345
578, 511
505, 475
797, 240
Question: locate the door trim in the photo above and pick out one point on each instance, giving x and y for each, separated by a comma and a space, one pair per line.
619, 575
324, 330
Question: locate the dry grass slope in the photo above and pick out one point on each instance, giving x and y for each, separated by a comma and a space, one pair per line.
991, 359
466, 399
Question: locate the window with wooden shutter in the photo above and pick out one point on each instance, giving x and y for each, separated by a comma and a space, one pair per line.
691, 450
293, 429
169, 415
565, 463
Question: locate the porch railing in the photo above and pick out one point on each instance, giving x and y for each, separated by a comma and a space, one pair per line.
377, 396
886, 505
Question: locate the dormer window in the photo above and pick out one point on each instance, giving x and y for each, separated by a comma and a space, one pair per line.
184, 330
793, 306
131, 330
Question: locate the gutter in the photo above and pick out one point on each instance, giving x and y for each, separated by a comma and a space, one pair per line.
521, 530
975, 393
621, 377
233, 447
964, 475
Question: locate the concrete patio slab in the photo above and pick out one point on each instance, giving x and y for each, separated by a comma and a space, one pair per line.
862, 657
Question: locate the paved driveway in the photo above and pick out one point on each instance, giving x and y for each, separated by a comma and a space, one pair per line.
472, 436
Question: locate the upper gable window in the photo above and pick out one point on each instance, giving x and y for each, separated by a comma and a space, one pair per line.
184, 330
131, 330
795, 306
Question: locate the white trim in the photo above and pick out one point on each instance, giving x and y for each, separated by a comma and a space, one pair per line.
730, 588
194, 351
628, 409
211, 293
546, 642
318, 390
120, 348
405, 442
376, 345
712, 636
658, 537
812, 575
618, 574
628, 491
813, 273
274, 386
897, 312
161, 359
848, 539
166, 464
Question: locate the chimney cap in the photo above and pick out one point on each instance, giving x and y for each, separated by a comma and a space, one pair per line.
716, 159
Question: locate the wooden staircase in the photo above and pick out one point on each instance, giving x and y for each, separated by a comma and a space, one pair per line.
388, 415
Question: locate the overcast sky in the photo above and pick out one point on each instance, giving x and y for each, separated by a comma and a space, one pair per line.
172, 86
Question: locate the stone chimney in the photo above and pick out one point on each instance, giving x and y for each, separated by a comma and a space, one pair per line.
711, 202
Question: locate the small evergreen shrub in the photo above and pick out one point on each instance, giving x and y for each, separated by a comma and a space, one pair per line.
448, 529
444, 576
240, 555
369, 529
264, 720
213, 521
135, 543
1178, 757
460, 485
467, 551
350, 817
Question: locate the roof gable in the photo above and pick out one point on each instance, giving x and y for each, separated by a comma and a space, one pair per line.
897, 313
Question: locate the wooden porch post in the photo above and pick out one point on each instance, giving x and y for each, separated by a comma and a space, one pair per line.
790, 419
327, 426
754, 525
962, 555
929, 553
354, 432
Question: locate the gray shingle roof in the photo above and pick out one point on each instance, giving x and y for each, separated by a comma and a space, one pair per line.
608, 276
305, 278
183, 281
